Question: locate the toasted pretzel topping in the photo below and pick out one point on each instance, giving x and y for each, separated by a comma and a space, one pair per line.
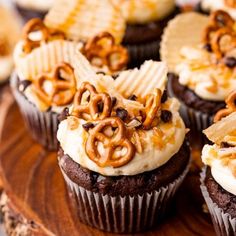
113, 144
216, 40
91, 109
62, 88
231, 3
4, 46
220, 22
230, 107
103, 48
37, 25
153, 102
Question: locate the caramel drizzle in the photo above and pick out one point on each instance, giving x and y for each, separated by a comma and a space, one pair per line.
230, 107
111, 144
103, 48
37, 25
221, 25
63, 88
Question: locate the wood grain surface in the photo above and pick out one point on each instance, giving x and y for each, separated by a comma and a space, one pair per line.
33, 182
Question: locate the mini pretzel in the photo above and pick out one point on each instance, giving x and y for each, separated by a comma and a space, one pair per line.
104, 52
112, 143
33, 25
230, 107
216, 48
152, 106
91, 108
63, 89
231, 3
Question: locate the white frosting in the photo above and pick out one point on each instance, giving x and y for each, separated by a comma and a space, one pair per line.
197, 71
220, 172
143, 11
152, 157
212, 5
38, 5
6, 66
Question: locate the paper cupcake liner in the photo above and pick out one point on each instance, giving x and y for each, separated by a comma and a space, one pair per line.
224, 224
138, 53
197, 121
123, 214
41, 125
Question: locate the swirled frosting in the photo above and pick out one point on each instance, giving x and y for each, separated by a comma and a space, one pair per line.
199, 71
144, 11
157, 149
38, 5
213, 5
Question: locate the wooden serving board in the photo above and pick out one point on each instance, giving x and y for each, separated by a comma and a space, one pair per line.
34, 184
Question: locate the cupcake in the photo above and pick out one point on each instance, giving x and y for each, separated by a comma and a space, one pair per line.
43, 83
218, 177
208, 6
123, 19
122, 153
7, 41
29, 9
201, 56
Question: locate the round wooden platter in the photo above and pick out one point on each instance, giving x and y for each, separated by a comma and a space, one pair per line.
35, 186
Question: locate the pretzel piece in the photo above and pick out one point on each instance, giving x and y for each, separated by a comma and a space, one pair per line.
103, 48
117, 141
153, 102
92, 107
230, 107
62, 89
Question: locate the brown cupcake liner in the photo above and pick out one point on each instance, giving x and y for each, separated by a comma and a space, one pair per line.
224, 224
41, 125
138, 53
123, 214
195, 120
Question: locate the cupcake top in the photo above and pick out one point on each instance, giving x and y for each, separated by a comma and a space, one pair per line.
113, 134
208, 67
221, 156
36, 5
225, 5
7, 41
144, 11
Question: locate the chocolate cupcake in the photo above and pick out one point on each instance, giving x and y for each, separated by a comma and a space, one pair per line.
29, 9
202, 58
123, 154
208, 6
218, 177
43, 83
145, 19
7, 41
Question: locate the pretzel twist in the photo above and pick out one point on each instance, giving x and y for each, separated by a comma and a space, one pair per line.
216, 40
111, 144
92, 107
103, 48
152, 106
231, 3
37, 25
230, 107
62, 89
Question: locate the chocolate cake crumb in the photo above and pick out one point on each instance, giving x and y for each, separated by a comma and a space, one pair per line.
132, 97
121, 113
64, 114
166, 116
88, 126
230, 62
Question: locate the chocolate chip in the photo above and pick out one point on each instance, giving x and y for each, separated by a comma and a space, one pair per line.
24, 84
164, 97
230, 62
88, 126
207, 47
132, 97
88, 98
64, 114
166, 116
121, 113
100, 106
115, 76
225, 145
113, 101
